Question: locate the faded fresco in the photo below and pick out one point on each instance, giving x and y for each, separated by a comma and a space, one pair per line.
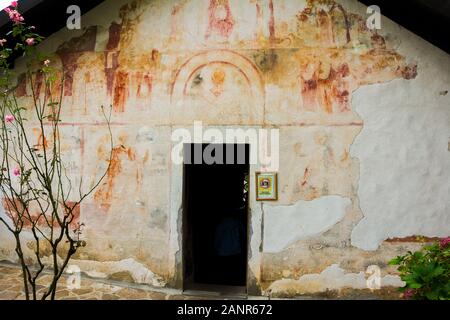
292, 65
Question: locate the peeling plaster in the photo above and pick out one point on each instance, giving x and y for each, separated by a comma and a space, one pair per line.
332, 278
284, 225
138, 271
404, 183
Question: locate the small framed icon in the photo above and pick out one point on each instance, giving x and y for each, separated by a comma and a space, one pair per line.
266, 186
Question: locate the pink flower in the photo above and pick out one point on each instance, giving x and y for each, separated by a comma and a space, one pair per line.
409, 293
444, 242
46, 62
30, 41
16, 172
14, 15
2, 42
9, 118
14, 4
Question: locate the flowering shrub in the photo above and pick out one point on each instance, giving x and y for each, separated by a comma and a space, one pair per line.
426, 272
36, 191
14, 15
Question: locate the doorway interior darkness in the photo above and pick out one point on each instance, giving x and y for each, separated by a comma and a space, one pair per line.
215, 215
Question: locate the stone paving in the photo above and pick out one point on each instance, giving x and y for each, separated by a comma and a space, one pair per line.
11, 288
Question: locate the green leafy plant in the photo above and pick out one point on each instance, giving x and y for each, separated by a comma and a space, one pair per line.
426, 272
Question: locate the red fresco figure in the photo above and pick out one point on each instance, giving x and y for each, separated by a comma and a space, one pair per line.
220, 20
309, 83
340, 88
144, 85
120, 153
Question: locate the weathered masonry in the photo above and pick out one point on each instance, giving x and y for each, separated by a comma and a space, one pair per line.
363, 119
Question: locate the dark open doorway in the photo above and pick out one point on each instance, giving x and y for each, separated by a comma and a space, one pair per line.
215, 214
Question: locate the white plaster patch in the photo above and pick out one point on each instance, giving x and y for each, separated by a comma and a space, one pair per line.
137, 270
404, 181
285, 225
332, 278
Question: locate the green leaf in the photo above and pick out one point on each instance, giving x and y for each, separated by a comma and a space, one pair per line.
415, 285
395, 261
438, 271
